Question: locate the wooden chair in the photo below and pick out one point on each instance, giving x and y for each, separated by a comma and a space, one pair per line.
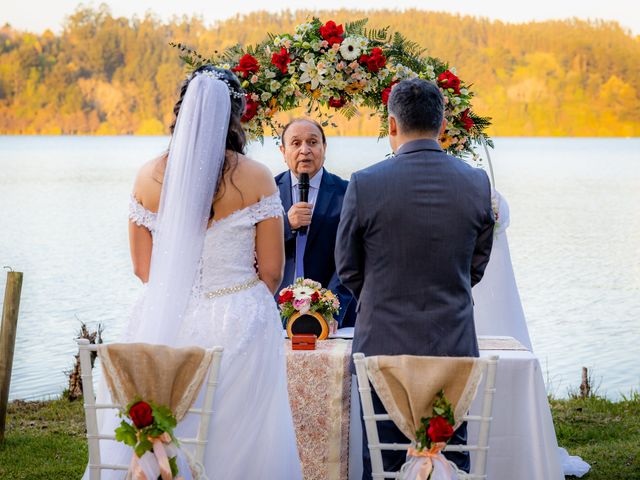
198, 443
479, 465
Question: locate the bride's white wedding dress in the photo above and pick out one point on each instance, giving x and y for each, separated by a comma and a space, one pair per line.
252, 434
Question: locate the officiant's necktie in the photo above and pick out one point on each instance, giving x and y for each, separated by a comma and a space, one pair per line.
301, 243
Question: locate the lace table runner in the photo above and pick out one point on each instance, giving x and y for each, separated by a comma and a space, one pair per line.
320, 395
499, 343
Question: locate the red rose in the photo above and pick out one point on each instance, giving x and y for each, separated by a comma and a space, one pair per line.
247, 65
250, 110
448, 80
375, 61
286, 297
337, 102
281, 60
466, 120
439, 429
386, 92
141, 414
315, 296
331, 32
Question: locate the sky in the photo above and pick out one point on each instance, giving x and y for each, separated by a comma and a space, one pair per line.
38, 15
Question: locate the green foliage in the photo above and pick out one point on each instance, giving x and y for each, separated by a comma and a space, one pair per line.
127, 434
111, 75
441, 408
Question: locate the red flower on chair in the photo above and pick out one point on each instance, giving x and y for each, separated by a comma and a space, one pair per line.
440, 430
141, 414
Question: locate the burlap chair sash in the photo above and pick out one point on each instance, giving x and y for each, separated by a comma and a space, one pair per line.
163, 375
407, 386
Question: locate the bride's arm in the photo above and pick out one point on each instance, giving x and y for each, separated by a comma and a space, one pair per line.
269, 228
146, 190
140, 247
270, 252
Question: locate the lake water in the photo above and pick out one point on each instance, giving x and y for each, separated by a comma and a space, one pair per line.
574, 239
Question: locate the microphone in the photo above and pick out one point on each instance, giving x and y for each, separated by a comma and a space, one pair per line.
303, 190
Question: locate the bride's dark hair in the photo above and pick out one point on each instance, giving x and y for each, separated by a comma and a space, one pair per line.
236, 138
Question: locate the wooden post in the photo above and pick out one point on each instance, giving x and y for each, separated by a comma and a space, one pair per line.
8, 340
585, 387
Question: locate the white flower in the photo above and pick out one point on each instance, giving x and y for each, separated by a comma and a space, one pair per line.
274, 86
312, 283
303, 28
297, 38
277, 41
269, 74
311, 74
464, 91
265, 96
255, 97
302, 292
350, 48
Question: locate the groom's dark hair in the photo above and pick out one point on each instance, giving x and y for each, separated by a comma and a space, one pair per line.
417, 105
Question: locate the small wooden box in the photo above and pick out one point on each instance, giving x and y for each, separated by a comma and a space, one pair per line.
303, 341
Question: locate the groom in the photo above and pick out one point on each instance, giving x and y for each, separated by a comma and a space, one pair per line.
415, 235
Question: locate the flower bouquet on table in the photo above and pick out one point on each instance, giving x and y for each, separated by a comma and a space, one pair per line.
307, 308
148, 429
425, 460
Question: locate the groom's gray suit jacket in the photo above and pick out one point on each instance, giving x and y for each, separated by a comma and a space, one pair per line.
415, 235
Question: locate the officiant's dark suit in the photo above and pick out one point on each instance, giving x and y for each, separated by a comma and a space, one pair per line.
415, 235
327, 192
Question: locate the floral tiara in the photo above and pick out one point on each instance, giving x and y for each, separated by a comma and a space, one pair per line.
219, 76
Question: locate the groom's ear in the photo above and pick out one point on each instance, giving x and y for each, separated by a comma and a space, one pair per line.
393, 126
443, 127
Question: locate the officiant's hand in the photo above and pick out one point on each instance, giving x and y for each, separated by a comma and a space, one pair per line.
300, 215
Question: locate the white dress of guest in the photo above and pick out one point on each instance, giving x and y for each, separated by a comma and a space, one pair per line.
497, 307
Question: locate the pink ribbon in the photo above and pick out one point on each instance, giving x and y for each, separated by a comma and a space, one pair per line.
161, 456
429, 456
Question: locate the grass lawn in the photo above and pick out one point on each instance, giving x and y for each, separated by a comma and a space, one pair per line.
605, 434
45, 440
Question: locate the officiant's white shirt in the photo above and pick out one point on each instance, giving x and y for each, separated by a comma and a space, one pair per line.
314, 188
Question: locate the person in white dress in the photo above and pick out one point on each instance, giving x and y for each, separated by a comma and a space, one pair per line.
211, 260
497, 308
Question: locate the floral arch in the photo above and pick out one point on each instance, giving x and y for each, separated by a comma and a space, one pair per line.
333, 68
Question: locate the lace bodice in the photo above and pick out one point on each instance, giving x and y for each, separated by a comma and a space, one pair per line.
228, 256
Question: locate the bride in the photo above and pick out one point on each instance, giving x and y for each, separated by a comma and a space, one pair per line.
212, 259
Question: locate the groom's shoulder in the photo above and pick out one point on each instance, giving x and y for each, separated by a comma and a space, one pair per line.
375, 171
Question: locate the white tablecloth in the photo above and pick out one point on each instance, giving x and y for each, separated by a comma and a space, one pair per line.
522, 443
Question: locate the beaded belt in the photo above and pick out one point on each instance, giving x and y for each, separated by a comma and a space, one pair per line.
234, 289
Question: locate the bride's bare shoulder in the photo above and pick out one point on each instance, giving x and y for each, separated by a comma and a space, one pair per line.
256, 178
148, 183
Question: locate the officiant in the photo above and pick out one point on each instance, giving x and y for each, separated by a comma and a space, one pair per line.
312, 199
